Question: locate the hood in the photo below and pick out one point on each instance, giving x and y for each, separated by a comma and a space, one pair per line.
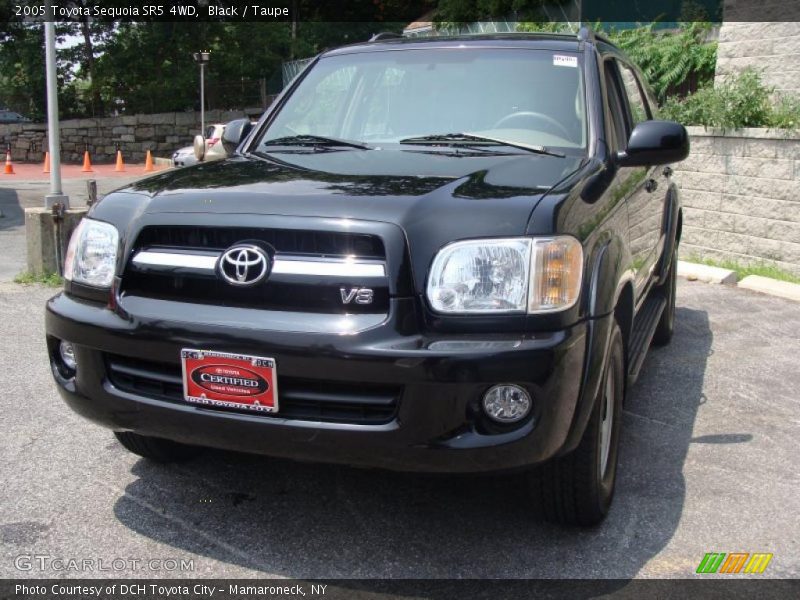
405, 187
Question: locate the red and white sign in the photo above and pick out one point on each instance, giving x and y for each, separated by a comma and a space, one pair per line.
229, 380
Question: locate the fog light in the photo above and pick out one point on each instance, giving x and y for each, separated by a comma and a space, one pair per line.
507, 403
67, 353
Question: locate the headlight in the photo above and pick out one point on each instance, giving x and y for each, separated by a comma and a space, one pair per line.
92, 254
514, 275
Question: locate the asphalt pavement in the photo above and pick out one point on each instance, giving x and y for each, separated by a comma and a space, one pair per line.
708, 464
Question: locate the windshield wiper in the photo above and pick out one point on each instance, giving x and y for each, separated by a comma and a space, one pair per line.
314, 140
457, 138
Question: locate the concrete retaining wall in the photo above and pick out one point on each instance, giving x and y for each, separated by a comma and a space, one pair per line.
741, 197
162, 134
772, 48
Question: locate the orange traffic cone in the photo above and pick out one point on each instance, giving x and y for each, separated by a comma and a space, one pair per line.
120, 163
9, 170
46, 168
148, 163
87, 163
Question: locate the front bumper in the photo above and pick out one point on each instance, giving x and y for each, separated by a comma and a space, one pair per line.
437, 427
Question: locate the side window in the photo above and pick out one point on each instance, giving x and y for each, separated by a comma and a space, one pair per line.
636, 101
615, 106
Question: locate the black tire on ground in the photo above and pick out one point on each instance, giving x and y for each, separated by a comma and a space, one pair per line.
156, 449
576, 489
666, 325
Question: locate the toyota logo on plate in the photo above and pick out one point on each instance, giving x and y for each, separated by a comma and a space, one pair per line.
244, 264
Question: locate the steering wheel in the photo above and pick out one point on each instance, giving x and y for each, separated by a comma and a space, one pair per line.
527, 114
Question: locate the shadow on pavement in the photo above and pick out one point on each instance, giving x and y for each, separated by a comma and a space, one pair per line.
13, 249
13, 215
308, 520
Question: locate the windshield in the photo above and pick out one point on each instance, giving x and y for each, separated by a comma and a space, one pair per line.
532, 97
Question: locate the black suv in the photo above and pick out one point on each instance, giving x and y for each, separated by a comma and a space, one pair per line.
439, 255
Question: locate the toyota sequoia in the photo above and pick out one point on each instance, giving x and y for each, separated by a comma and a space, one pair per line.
434, 255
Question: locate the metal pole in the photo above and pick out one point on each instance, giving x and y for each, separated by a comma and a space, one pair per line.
56, 195
202, 99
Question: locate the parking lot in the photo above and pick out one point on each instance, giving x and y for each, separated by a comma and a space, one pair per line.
708, 463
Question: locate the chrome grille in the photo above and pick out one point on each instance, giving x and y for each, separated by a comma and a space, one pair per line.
309, 271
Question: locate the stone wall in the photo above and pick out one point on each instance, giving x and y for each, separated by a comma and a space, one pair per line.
741, 197
162, 134
773, 49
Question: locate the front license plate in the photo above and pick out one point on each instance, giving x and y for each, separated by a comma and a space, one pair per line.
230, 380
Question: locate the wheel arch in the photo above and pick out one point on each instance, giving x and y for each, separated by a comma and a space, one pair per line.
611, 300
624, 310
672, 227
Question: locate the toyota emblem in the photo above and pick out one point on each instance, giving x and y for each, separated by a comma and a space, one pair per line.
244, 264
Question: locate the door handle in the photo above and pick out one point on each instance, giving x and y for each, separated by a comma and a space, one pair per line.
667, 171
651, 185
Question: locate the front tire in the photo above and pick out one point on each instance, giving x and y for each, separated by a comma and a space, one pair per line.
577, 488
156, 449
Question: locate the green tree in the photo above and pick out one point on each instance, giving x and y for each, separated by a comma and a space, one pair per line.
470, 11
82, 57
148, 67
22, 77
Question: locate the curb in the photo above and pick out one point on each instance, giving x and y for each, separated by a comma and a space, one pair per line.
755, 283
773, 287
695, 272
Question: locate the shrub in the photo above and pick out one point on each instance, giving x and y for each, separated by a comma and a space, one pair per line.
740, 101
786, 113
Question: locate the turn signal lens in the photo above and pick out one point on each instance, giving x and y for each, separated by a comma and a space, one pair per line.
556, 273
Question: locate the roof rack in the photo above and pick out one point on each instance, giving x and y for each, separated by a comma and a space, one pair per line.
587, 34
385, 35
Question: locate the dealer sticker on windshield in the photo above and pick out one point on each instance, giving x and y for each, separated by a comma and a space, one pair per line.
562, 60
226, 380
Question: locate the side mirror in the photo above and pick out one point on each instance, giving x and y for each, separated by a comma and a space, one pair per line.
234, 133
199, 147
655, 143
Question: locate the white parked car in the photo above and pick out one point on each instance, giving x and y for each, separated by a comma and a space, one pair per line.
214, 150
184, 157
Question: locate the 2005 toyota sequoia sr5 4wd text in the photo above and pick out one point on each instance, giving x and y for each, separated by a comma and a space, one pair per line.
440, 255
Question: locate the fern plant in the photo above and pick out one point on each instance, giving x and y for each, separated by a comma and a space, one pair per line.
670, 60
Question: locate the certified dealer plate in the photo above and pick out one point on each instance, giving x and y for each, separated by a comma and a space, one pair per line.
229, 380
